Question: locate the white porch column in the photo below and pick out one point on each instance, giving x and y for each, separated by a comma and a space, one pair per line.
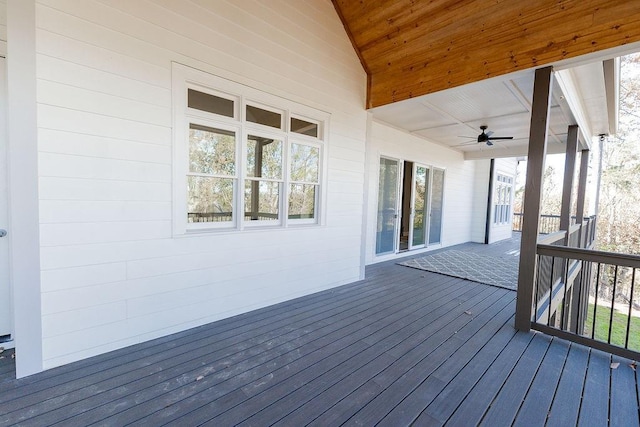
22, 157
533, 195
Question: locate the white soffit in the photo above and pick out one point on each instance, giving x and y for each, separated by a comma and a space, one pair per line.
453, 117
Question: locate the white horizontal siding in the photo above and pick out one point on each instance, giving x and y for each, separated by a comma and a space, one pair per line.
72, 143
105, 140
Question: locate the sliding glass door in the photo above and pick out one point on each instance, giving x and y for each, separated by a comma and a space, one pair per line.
387, 216
409, 214
437, 196
419, 206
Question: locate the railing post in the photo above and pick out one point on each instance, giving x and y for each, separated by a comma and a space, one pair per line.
569, 172
578, 310
533, 194
565, 211
582, 189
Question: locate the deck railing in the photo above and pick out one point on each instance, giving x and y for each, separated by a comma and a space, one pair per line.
248, 216
548, 223
587, 296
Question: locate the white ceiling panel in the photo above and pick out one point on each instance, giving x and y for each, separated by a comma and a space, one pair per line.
473, 102
411, 115
503, 105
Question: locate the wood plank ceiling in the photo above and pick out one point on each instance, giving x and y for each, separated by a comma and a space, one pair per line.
411, 48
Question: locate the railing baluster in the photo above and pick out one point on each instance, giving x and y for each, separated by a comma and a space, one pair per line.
553, 260
537, 289
565, 279
613, 300
595, 302
633, 280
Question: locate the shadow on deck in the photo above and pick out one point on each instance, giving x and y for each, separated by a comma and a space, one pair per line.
403, 346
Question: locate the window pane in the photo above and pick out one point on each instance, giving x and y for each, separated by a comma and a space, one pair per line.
211, 151
261, 200
304, 163
264, 157
304, 127
264, 117
209, 103
302, 201
209, 199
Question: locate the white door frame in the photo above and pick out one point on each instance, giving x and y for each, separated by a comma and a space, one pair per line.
6, 297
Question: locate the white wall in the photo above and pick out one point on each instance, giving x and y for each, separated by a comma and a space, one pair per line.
480, 199
460, 208
112, 275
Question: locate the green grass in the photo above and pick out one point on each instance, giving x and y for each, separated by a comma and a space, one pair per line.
618, 327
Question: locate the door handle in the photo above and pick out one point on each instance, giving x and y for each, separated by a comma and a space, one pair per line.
3, 232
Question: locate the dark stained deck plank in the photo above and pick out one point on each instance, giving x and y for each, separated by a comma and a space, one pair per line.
232, 326
227, 379
457, 388
415, 362
275, 412
163, 373
478, 400
595, 399
433, 382
623, 405
566, 407
505, 406
537, 402
397, 346
266, 390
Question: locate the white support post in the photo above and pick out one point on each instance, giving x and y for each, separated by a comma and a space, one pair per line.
23, 185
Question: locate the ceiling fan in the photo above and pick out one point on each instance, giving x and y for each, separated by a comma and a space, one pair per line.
484, 137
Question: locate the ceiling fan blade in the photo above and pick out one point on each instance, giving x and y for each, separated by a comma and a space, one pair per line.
470, 137
489, 133
501, 137
465, 144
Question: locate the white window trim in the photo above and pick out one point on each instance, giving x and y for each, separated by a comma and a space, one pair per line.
501, 184
184, 77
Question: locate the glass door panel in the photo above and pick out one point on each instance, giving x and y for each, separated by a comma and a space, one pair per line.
387, 218
435, 220
419, 203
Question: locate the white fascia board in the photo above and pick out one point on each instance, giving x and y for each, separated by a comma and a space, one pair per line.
611, 69
566, 83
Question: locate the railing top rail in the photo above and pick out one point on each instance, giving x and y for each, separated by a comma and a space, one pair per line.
612, 258
551, 238
574, 228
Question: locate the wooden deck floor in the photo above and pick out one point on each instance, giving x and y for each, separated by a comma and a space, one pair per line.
402, 347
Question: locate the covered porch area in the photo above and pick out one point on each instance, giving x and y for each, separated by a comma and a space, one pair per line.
403, 346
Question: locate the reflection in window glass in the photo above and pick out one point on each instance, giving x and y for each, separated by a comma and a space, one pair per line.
303, 127
305, 160
209, 199
211, 151
264, 157
302, 201
264, 117
209, 103
261, 200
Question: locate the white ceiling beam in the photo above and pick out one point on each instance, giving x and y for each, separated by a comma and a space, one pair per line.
573, 100
612, 88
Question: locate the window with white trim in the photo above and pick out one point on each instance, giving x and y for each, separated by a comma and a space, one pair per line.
243, 158
502, 199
